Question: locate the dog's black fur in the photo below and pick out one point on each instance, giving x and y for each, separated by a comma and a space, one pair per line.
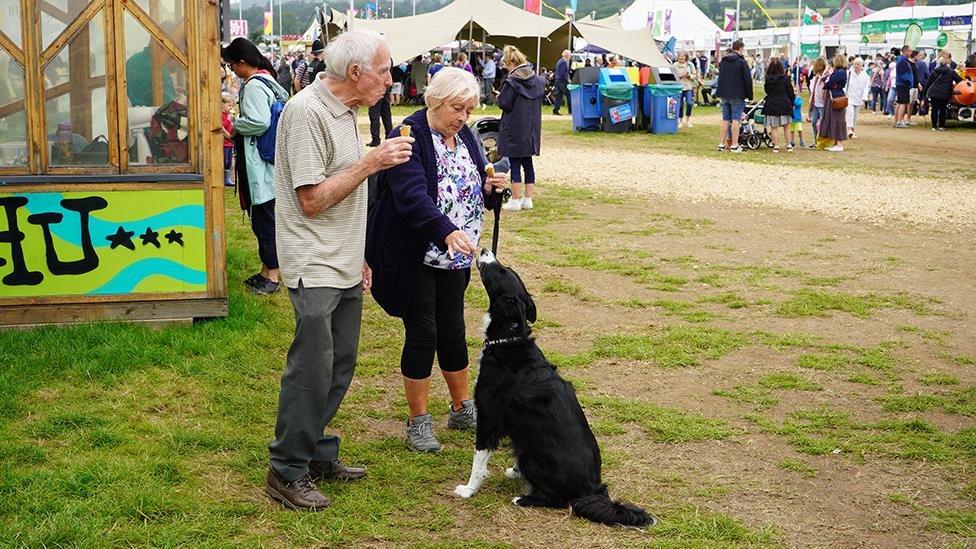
520, 395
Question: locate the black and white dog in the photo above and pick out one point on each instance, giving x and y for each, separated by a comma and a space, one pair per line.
520, 395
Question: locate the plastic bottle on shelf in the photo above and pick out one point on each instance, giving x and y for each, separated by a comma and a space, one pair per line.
65, 142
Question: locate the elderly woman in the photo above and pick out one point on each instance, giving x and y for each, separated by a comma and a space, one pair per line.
422, 234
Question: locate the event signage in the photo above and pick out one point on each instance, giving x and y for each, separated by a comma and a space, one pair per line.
729, 20
913, 35
899, 25
810, 51
238, 27
942, 40
956, 21
102, 243
268, 23
873, 38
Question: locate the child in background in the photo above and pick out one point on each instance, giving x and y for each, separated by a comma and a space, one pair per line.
796, 127
227, 107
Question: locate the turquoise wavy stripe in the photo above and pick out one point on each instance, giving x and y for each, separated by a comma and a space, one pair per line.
131, 276
68, 230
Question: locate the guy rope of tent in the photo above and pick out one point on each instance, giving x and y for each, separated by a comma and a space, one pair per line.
561, 14
764, 13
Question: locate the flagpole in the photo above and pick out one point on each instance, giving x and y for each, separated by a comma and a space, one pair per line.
738, 14
799, 37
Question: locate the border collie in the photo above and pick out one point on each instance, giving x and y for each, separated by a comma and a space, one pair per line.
520, 395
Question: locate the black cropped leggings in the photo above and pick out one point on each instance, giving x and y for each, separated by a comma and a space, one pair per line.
434, 322
522, 163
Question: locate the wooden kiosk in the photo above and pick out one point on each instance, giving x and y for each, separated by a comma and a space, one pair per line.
111, 172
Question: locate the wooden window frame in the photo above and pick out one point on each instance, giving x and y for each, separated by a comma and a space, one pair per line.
34, 60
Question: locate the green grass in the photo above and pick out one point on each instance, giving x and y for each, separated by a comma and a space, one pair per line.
660, 423
788, 381
961, 402
806, 303
798, 466
673, 346
938, 379
820, 431
939, 337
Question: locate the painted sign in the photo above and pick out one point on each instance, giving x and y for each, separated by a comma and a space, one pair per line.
112, 242
238, 27
810, 51
956, 21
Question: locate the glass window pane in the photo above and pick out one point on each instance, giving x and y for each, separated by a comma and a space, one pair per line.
75, 102
56, 15
10, 20
13, 117
169, 15
156, 85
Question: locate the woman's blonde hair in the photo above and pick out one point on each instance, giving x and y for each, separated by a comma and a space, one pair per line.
819, 65
451, 84
944, 60
512, 56
840, 61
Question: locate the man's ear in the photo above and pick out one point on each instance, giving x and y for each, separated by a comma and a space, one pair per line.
353, 72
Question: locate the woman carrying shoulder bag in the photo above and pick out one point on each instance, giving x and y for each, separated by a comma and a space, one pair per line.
833, 127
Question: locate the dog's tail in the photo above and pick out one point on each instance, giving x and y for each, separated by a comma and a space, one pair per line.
599, 508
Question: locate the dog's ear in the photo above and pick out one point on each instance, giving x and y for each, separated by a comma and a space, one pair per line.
513, 309
530, 311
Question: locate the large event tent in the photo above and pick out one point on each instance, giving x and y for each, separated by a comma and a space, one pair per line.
678, 18
500, 23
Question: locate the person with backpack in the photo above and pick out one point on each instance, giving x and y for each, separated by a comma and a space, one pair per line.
284, 75
314, 65
261, 99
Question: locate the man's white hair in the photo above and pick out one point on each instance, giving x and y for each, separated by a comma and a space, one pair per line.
355, 47
451, 84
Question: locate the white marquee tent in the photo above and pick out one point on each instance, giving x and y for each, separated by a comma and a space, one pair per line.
678, 18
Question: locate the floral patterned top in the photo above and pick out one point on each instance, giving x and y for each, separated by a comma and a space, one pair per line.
459, 197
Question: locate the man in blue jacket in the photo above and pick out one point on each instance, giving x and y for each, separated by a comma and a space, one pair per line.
561, 82
904, 82
734, 88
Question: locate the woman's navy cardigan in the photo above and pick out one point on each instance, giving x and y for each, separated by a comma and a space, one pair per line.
405, 217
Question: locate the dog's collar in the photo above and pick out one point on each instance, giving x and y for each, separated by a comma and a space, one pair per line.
493, 342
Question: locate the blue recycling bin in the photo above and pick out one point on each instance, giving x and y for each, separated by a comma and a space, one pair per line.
585, 99
661, 102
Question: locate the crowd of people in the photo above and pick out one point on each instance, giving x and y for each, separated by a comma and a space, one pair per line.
900, 84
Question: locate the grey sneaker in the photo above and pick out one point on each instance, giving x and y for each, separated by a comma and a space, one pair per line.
420, 434
465, 418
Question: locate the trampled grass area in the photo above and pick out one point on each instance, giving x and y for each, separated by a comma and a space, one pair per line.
685, 351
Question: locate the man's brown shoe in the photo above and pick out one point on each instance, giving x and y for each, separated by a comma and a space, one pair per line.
334, 470
300, 494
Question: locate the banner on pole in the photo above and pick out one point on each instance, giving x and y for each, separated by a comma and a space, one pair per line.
810, 51
238, 27
730, 16
268, 23
956, 21
913, 35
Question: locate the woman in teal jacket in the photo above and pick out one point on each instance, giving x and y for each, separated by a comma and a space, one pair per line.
255, 177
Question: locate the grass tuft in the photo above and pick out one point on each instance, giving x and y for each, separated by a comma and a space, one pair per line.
798, 466
672, 347
661, 423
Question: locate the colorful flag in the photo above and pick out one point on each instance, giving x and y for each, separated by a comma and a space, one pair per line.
268, 23
667, 22
533, 6
730, 16
811, 17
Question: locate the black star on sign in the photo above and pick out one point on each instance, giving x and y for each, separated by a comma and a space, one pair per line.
121, 237
174, 237
150, 237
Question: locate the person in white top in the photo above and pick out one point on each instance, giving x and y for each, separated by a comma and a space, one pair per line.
858, 83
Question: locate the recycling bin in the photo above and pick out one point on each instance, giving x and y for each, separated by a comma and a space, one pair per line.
616, 107
661, 102
585, 100
620, 76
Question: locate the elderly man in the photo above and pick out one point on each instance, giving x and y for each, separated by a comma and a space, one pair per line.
561, 83
321, 233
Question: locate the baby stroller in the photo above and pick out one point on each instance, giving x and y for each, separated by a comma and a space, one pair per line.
749, 134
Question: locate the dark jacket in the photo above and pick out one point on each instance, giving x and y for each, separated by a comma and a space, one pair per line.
940, 83
520, 100
836, 83
922, 70
779, 96
405, 217
562, 72
904, 75
734, 78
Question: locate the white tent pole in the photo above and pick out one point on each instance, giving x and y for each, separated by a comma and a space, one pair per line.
738, 15
392, 9
538, 53
799, 37
281, 39
415, 7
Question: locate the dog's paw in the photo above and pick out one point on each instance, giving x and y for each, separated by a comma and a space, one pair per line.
515, 501
513, 473
463, 491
